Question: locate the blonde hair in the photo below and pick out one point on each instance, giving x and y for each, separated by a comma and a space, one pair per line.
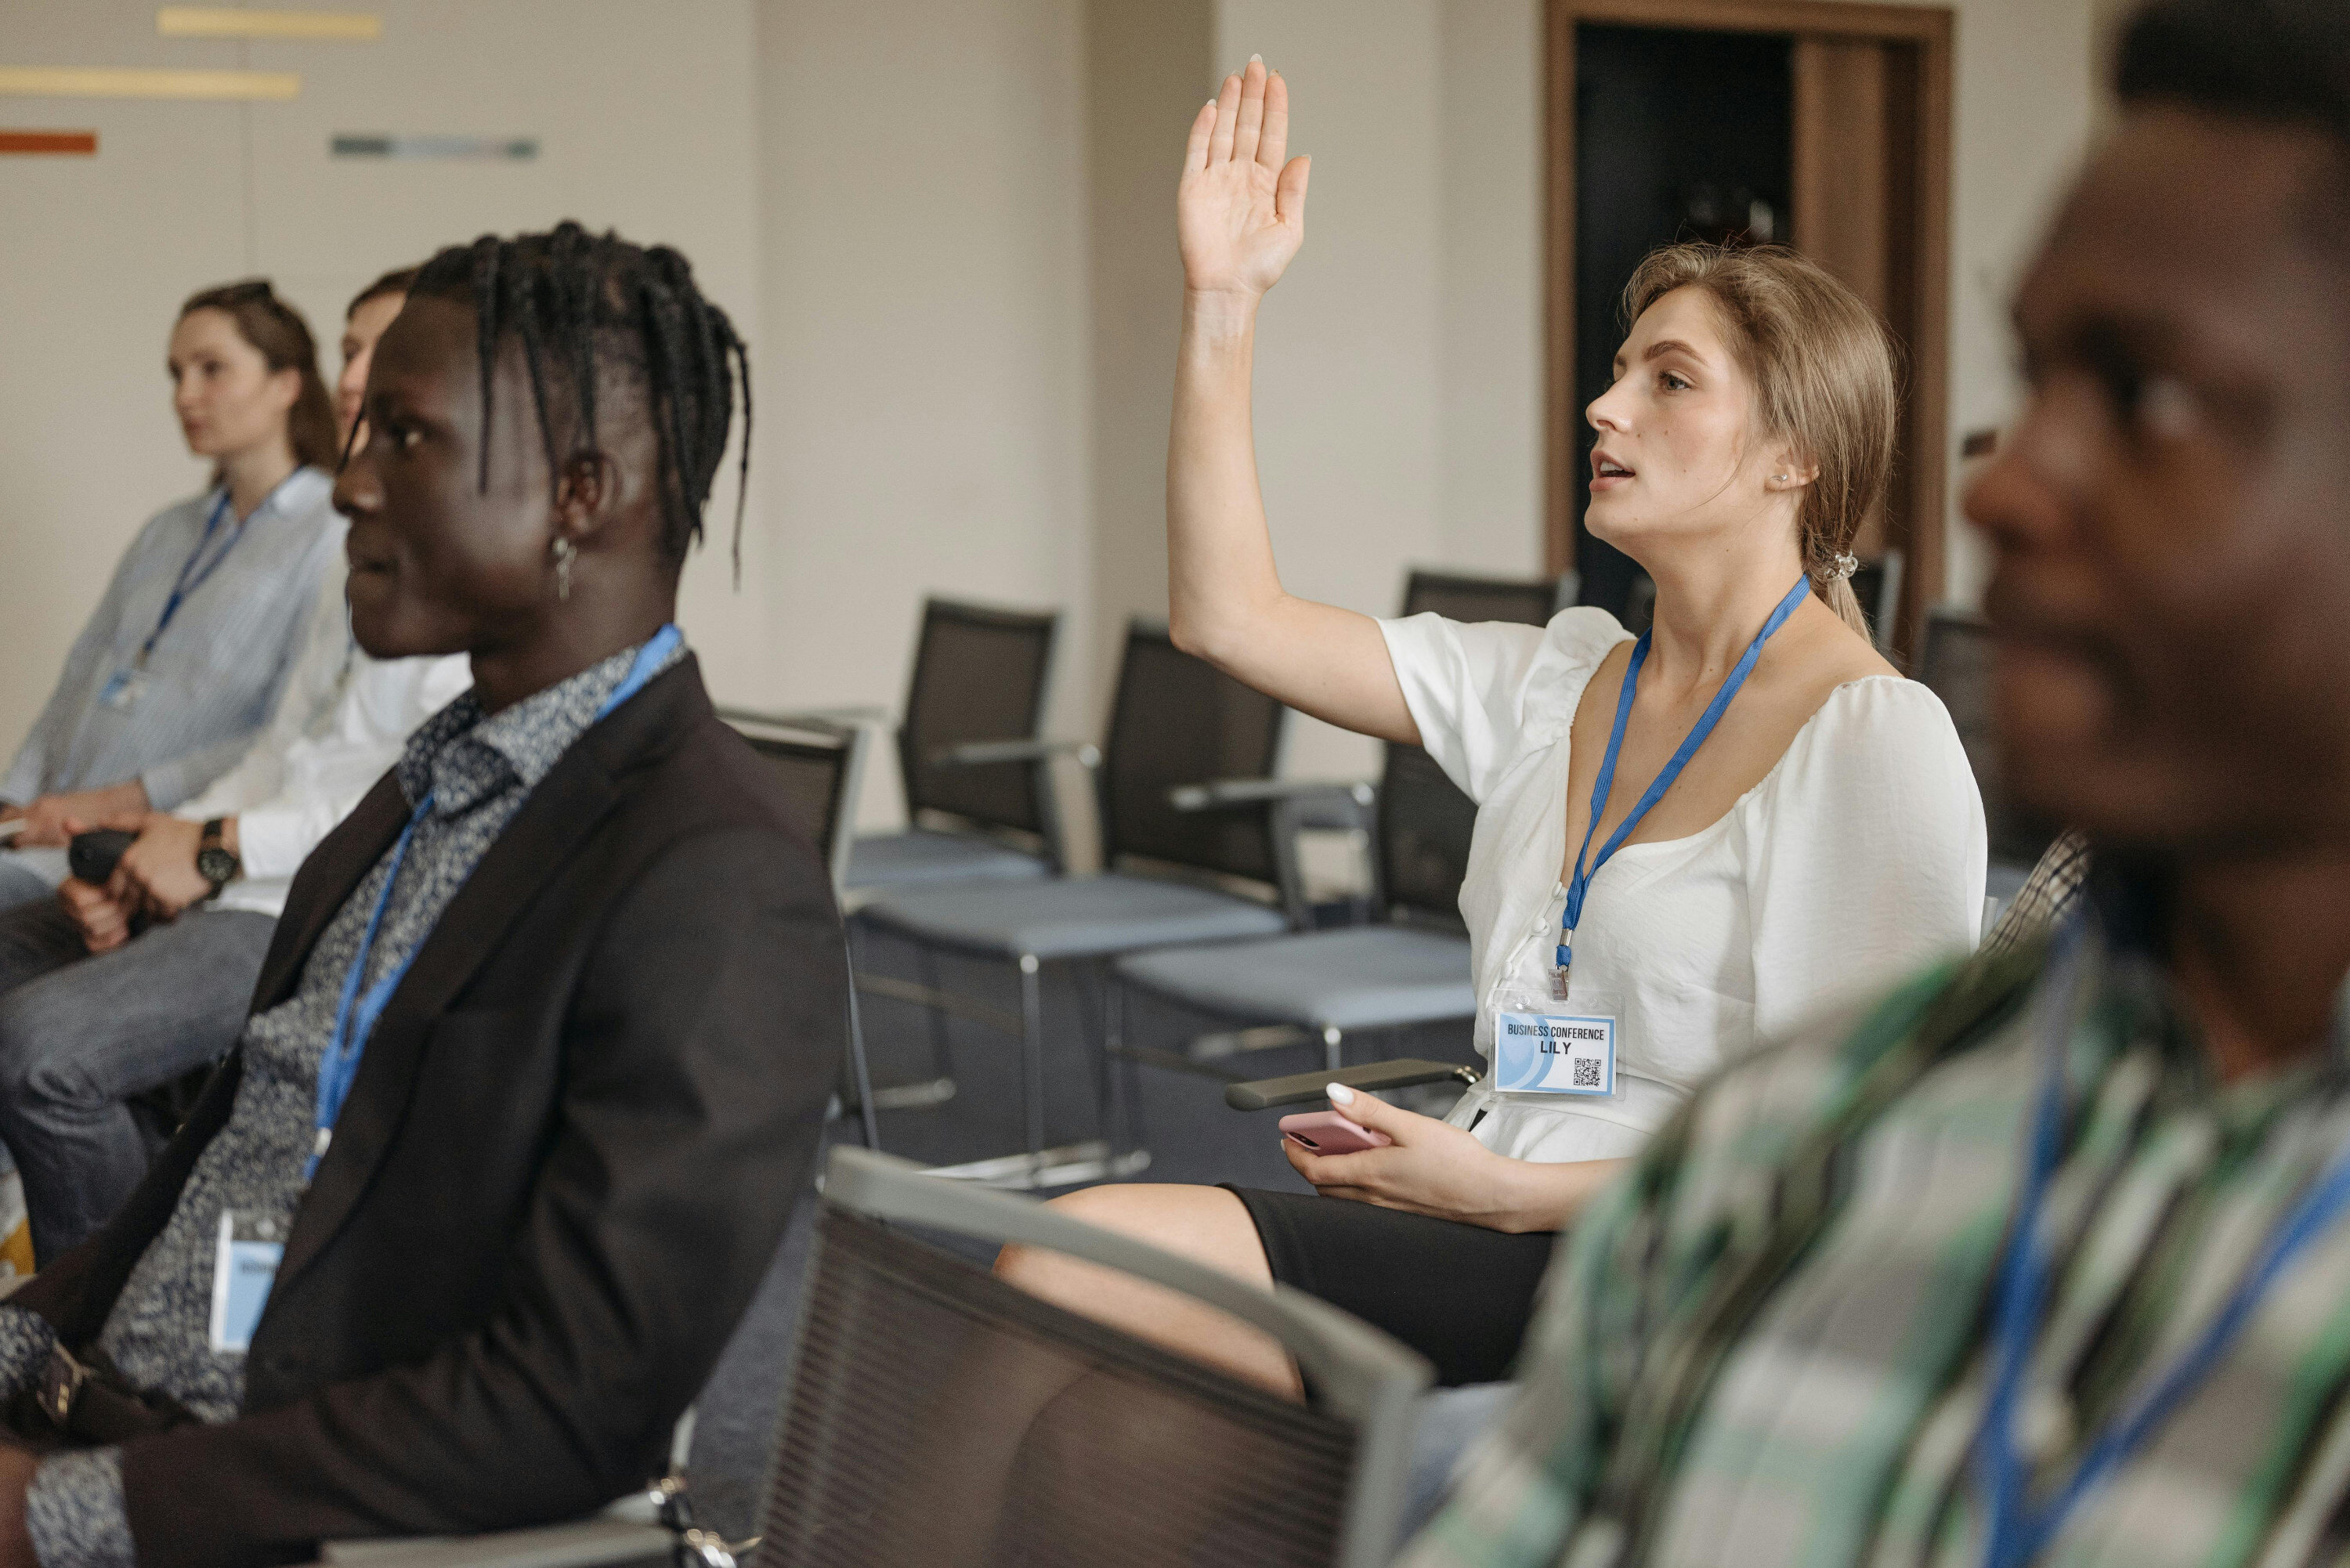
1826, 379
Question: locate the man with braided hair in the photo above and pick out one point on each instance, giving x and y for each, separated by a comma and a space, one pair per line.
538, 1060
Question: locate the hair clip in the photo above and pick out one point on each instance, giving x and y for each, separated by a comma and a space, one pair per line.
1841, 568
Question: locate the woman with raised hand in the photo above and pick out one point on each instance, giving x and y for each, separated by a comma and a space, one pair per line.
180, 664
1685, 842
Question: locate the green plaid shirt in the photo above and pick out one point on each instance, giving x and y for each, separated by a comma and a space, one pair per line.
1769, 1344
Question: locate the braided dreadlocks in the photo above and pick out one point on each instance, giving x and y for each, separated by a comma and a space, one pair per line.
582, 303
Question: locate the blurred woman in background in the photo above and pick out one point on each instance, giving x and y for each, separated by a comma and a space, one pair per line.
180, 663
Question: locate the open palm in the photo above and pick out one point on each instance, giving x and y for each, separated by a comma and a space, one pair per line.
1240, 212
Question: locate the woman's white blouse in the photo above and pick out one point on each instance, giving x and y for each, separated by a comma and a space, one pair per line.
1859, 858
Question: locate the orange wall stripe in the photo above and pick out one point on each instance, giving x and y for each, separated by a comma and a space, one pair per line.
84, 143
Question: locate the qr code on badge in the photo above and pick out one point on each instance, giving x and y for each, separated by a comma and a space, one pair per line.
1586, 1072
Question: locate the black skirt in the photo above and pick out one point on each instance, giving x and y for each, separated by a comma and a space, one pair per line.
1459, 1294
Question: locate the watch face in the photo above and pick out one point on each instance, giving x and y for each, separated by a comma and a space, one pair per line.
215, 864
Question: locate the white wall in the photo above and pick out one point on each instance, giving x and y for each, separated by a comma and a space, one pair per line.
1148, 68
2023, 122
1490, 208
923, 416
1350, 364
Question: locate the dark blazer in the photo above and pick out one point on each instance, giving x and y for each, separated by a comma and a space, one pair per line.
566, 1162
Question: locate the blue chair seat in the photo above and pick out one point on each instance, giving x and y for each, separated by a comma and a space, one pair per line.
920, 855
1366, 977
1076, 917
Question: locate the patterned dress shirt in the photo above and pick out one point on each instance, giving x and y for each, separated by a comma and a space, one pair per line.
478, 771
1769, 1345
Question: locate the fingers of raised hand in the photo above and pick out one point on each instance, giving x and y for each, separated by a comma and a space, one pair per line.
1272, 141
1203, 126
1289, 194
1228, 114
1250, 127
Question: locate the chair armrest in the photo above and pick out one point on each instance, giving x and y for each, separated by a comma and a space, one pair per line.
584, 1543
981, 753
1219, 794
822, 720
1299, 1088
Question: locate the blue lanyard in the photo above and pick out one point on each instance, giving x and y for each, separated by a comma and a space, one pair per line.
189, 578
1585, 868
356, 1015
2019, 1531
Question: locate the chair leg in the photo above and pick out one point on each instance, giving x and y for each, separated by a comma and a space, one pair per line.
1092, 982
1035, 1165
1113, 1042
1333, 1057
861, 1068
1032, 1057
941, 1057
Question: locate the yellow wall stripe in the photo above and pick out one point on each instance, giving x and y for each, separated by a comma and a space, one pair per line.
210, 22
74, 82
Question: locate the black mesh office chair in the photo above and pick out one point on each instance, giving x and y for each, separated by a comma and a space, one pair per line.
937, 1416
1954, 658
1410, 969
1176, 724
979, 796
1532, 601
980, 804
820, 771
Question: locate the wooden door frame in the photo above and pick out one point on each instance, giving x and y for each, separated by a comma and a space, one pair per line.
1930, 30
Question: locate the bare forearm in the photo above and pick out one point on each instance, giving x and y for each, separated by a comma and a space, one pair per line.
1220, 567
1547, 1197
1225, 601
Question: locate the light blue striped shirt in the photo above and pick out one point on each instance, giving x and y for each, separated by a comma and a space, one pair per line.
214, 676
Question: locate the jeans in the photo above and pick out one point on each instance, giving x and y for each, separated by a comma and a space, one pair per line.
79, 1034
29, 876
1451, 1421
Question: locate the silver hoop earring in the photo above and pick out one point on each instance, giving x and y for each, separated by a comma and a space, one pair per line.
564, 550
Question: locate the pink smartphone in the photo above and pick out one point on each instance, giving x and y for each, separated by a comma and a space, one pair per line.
1327, 1132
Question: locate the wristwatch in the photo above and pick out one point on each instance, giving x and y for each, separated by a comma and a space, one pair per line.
215, 863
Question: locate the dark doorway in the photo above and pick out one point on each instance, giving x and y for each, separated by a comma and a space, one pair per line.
1678, 135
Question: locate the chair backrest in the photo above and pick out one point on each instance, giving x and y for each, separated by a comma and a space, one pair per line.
821, 773
980, 674
937, 1415
1179, 720
1877, 586
1529, 600
1424, 827
1954, 658
1424, 820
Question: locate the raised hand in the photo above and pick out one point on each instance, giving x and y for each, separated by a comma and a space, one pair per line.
1239, 211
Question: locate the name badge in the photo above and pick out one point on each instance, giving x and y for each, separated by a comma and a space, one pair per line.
1554, 1053
122, 690
245, 1267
